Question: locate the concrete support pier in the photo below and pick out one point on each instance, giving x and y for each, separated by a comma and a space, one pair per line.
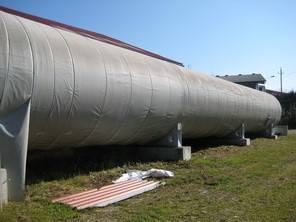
167, 148
281, 130
164, 153
3, 188
237, 137
14, 130
269, 132
238, 142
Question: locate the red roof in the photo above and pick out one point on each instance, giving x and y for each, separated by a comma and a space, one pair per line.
274, 93
87, 33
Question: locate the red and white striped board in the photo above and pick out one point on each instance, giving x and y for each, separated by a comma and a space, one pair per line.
107, 194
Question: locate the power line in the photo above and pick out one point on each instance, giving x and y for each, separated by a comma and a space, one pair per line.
289, 74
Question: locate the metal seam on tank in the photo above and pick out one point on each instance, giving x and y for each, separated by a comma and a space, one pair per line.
149, 110
278, 111
254, 103
233, 111
54, 88
207, 128
163, 118
236, 111
250, 106
217, 108
268, 118
210, 124
32, 57
240, 113
194, 95
258, 106
188, 95
196, 111
227, 105
179, 74
121, 108
261, 110
74, 85
232, 100
171, 99
130, 99
206, 103
106, 84
184, 102
238, 101
8, 57
244, 110
228, 97
178, 116
269, 108
222, 117
219, 113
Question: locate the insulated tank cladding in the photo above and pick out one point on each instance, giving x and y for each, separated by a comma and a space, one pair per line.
86, 92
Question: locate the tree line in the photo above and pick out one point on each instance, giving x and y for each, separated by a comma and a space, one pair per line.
288, 103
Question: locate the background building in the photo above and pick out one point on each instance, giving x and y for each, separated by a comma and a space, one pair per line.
254, 81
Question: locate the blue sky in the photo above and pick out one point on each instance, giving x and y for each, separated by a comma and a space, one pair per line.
216, 37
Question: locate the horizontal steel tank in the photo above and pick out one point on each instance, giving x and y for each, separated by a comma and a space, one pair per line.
86, 92
62, 89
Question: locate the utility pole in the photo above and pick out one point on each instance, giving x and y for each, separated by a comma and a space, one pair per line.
281, 78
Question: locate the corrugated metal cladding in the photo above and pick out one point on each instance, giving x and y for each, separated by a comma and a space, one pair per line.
107, 194
86, 92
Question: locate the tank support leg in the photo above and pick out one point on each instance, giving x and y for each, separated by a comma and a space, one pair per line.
281, 130
237, 137
14, 130
167, 148
172, 139
269, 132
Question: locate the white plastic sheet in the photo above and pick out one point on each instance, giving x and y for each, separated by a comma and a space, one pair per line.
139, 175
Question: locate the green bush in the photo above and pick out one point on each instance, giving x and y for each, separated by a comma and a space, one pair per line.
288, 103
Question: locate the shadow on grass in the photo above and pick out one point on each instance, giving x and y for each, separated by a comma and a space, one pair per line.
212, 142
66, 163
202, 144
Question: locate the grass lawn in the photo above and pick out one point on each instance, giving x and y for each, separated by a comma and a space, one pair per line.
225, 183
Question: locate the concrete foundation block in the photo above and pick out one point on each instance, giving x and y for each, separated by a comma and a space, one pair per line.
4, 196
273, 137
164, 153
238, 142
3, 188
281, 130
